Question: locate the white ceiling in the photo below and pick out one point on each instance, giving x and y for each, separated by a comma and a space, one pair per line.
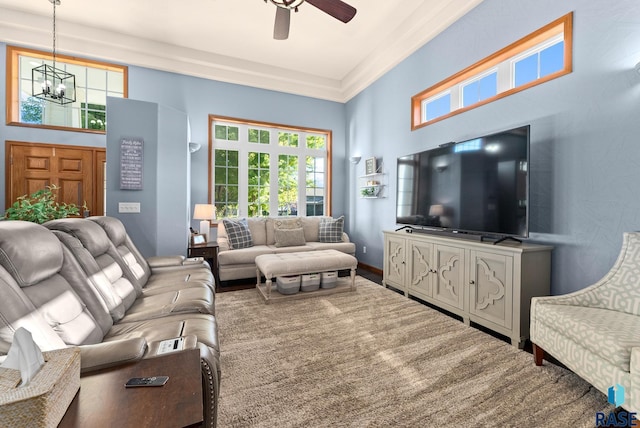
231, 40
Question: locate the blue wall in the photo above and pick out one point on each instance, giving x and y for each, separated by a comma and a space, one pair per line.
585, 155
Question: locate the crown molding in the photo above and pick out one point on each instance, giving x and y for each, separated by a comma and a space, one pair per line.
30, 30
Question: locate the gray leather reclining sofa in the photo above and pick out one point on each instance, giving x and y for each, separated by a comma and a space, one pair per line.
82, 282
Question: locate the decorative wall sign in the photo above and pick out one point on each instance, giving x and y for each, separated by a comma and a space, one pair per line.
370, 166
131, 163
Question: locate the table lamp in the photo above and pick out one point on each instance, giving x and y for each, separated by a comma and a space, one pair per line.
205, 213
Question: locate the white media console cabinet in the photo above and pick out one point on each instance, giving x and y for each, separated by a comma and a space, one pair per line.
490, 285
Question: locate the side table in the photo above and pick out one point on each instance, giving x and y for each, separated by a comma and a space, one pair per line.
104, 401
209, 252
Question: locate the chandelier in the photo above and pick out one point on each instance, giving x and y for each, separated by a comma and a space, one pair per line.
50, 83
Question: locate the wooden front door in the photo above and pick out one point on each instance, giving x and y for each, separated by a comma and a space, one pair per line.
32, 167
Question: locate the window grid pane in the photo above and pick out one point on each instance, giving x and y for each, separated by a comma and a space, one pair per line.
258, 184
316, 142
226, 183
526, 70
287, 139
438, 107
314, 186
287, 185
552, 59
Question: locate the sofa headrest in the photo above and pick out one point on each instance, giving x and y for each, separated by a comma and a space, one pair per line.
29, 252
113, 227
92, 236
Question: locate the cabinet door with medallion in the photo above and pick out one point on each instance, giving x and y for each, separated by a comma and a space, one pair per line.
449, 281
421, 269
395, 262
491, 287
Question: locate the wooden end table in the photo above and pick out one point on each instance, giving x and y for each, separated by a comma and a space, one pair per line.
209, 252
104, 401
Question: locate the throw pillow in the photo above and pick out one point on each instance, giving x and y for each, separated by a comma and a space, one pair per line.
288, 223
238, 233
330, 229
289, 237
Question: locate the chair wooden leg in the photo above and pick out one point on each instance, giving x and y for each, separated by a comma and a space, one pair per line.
538, 354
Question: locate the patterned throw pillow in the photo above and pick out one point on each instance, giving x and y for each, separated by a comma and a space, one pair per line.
289, 237
331, 229
238, 233
288, 223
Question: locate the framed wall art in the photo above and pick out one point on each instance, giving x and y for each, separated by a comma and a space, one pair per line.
370, 166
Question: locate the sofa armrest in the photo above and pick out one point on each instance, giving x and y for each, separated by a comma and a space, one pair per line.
164, 261
345, 237
223, 244
109, 354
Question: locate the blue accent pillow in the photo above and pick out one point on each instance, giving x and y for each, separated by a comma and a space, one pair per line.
331, 229
238, 233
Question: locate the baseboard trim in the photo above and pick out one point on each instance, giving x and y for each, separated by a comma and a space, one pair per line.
370, 268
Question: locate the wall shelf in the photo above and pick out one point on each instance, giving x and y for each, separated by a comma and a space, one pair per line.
372, 186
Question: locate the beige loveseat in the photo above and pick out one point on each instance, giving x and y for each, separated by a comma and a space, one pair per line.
236, 263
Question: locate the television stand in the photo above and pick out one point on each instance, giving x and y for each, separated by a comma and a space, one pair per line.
485, 284
507, 238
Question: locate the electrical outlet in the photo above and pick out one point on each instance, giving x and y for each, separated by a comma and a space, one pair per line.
364, 250
128, 207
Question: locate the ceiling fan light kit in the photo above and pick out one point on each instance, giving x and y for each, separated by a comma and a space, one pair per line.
336, 8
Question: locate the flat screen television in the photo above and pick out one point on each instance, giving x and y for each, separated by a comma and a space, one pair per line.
478, 186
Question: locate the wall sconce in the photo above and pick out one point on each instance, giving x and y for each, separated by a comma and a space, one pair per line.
205, 213
355, 159
194, 147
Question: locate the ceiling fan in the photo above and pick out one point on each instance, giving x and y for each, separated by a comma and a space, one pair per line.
336, 8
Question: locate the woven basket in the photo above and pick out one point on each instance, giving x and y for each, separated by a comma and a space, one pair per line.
44, 401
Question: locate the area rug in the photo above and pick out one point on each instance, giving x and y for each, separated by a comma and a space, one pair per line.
374, 358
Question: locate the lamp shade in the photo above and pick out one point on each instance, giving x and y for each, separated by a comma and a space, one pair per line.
205, 213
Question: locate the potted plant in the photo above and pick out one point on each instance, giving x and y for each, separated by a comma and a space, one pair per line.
41, 206
368, 192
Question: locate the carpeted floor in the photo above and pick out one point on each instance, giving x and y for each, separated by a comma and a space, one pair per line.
373, 358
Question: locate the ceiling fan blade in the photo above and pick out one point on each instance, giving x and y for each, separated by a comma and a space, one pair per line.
281, 26
336, 8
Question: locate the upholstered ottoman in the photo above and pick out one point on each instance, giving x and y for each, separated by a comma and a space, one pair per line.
273, 265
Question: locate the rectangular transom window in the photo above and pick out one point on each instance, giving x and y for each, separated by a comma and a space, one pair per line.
541, 56
94, 82
262, 169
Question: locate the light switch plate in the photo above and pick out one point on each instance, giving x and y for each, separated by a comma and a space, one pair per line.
128, 207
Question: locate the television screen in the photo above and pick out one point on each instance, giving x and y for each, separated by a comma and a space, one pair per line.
479, 185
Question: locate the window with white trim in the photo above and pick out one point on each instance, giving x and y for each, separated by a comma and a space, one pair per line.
539, 57
260, 169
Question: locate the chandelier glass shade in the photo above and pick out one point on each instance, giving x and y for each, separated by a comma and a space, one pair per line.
50, 83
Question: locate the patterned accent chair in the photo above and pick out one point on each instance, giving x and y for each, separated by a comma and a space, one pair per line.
595, 331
